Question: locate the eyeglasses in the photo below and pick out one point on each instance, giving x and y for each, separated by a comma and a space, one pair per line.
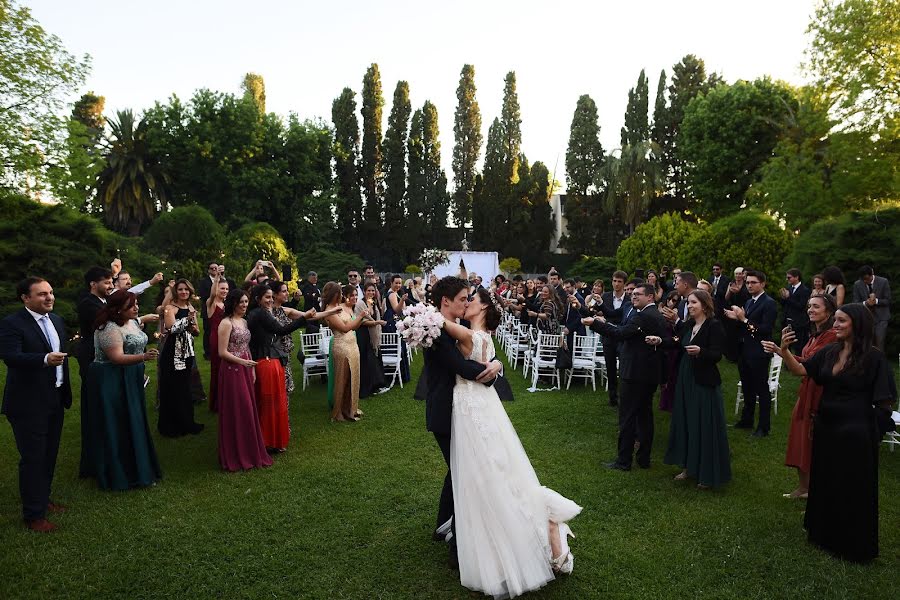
354, 275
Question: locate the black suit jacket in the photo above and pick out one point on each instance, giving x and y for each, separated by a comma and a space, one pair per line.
794, 307
88, 307
638, 359
711, 339
759, 326
30, 385
444, 362
612, 314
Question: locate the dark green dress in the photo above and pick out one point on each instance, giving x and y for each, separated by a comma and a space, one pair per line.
120, 450
698, 439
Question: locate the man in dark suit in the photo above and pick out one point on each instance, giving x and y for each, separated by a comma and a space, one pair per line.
641, 373
574, 306
613, 307
312, 296
755, 320
444, 362
875, 293
204, 290
794, 299
37, 390
719, 283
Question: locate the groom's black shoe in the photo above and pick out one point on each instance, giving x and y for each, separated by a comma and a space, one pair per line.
617, 466
453, 561
437, 537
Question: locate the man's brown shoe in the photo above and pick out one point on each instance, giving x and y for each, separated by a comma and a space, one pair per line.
41, 525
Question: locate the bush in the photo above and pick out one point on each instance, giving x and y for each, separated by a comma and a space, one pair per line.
186, 233
850, 241
590, 268
510, 265
748, 239
330, 265
656, 243
413, 269
256, 241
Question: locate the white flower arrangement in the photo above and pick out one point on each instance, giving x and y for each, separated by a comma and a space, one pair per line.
432, 258
421, 325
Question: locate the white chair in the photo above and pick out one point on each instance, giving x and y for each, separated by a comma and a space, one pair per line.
517, 346
391, 356
892, 438
584, 356
528, 359
773, 381
314, 361
545, 358
600, 361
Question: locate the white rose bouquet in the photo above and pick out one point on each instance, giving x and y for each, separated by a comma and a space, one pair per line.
421, 325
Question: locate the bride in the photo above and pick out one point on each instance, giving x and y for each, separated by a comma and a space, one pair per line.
511, 531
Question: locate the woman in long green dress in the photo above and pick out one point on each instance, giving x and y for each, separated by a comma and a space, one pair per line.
119, 446
698, 440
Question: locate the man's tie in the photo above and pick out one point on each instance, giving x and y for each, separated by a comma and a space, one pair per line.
44, 321
871, 289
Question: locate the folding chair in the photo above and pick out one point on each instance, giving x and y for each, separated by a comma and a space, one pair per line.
584, 359
391, 356
314, 362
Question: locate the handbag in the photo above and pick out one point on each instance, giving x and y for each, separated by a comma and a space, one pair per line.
563, 356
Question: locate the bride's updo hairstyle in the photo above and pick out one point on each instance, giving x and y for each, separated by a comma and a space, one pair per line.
492, 314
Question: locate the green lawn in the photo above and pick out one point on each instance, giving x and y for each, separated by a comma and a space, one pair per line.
348, 511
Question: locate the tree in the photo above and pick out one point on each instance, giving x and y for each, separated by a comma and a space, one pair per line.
371, 164
658, 131
36, 76
73, 180
633, 179
637, 127
584, 159
255, 90
467, 145
417, 209
657, 242
727, 134
255, 241
346, 153
132, 187
854, 54
185, 233
510, 265
511, 123
437, 198
395, 170
488, 206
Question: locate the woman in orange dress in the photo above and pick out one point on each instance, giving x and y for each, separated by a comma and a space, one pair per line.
344, 383
821, 311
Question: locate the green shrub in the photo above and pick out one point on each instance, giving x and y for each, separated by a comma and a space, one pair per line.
510, 265
255, 241
413, 269
590, 268
329, 264
656, 243
186, 233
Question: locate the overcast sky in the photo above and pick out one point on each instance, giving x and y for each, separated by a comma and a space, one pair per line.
309, 51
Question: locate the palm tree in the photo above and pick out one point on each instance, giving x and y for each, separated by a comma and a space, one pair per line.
132, 187
633, 179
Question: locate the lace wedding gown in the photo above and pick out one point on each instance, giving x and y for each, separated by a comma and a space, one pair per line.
500, 507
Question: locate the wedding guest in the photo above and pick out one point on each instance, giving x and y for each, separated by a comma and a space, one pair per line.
418, 290
344, 380
98, 281
794, 299
737, 295
720, 284
120, 448
260, 273
311, 299
409, 289
36, 393
354, 280
593, 301
214, 308
271, 394
672, 357
395, 304
176, 361
368, 337
615, 303
571, 314
284, 315
834, 284
705, 286
547, 316
432, 279
875, 293
653, 279
241, 444
122, 281
205, 289
818, 285
858, 390
698, 438
799, 445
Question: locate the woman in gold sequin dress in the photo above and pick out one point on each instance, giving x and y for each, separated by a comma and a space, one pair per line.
344, 382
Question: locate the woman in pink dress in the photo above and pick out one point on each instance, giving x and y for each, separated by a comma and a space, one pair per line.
215, 308
240, 437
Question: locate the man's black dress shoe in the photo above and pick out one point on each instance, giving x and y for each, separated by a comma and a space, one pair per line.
645, 465
453, 562
742, 425
617, 466
437, 537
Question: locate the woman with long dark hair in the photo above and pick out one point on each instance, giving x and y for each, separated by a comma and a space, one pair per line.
547, 317
858, 390
215, 306
395, 304
368, 338
667, 390
118, 445
834, 284
241, 444
343, 383
176, 406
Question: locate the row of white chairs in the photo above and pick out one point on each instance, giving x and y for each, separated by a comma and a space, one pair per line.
316, 347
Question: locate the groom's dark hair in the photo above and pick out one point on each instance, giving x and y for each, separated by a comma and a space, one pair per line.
447, 287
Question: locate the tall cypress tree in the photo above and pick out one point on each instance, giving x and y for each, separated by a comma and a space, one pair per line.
255, 89
488, 208
511, 122
584, 158
395, 171
658, 131
371, 164
637, 126
467, 146
437, 201
346, 152
417, 219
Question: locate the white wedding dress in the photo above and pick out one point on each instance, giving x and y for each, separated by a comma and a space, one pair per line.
500, 507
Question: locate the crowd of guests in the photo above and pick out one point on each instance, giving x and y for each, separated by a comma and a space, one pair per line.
657, 333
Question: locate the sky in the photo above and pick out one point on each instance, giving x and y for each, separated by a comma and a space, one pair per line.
308, 52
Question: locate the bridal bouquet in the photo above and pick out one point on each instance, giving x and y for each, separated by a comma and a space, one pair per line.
421, 325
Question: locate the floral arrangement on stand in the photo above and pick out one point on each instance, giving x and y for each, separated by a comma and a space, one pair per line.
421, 325
432, 258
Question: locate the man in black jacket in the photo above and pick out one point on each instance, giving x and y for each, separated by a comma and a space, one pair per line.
312, 296
36, 393
641, 373
794, 299
719, 283
615, 304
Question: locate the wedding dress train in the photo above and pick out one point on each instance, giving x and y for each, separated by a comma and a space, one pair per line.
500, 507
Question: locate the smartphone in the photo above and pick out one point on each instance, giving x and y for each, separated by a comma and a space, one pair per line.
790, 324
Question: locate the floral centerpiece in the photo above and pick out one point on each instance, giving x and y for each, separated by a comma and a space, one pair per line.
421, 325
432, 258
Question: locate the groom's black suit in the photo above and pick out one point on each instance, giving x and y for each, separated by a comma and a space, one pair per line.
443, 362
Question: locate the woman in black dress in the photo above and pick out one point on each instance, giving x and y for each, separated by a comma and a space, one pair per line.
368, 337
176, 361
858, 391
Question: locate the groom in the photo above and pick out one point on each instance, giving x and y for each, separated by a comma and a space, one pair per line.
444, 362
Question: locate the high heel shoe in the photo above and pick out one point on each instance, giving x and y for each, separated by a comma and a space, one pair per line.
564, 563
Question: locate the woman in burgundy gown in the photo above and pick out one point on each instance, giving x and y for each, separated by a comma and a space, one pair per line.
215, 308
240, 437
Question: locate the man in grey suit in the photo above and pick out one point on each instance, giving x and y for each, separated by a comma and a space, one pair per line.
875, 293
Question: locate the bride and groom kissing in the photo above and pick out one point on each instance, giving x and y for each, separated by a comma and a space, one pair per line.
507, 534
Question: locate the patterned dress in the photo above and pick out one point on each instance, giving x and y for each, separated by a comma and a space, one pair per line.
286, 342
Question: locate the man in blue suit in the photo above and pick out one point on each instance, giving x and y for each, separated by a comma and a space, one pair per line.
37, 390
755, 320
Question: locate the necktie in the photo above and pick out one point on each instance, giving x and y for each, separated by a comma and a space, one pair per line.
871, 290
44, 321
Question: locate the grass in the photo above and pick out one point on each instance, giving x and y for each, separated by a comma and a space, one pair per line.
347, 512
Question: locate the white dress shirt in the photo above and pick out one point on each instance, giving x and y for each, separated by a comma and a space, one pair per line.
47, 329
